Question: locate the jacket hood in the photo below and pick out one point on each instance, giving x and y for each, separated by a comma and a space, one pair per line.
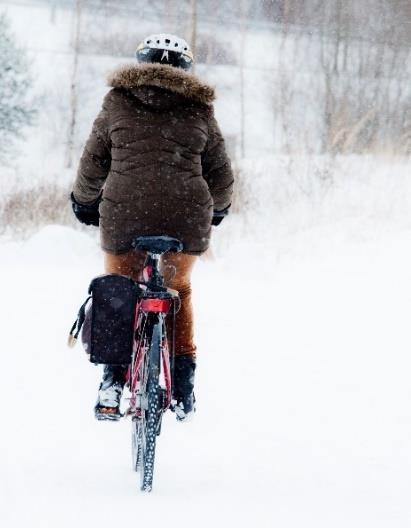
134, 76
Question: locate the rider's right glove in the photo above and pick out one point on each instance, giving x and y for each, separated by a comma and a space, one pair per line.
86, 213
218, 216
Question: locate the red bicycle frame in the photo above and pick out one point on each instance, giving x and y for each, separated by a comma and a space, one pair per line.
148, 308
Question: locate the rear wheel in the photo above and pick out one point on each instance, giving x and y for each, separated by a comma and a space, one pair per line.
145, 429
149, 436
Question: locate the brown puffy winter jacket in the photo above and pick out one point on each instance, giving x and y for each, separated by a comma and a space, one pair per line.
157, 153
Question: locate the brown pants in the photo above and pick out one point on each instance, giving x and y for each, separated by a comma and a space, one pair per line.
176, 269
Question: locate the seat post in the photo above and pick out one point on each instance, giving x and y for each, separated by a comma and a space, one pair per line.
153, 260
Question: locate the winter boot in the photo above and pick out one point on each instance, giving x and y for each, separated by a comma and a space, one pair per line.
110, 391
184, 368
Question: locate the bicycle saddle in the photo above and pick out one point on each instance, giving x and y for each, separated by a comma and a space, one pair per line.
158, 244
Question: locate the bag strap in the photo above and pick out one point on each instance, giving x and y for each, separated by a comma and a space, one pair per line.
78, 323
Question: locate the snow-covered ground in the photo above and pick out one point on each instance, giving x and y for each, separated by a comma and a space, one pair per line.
302, 323
304, 415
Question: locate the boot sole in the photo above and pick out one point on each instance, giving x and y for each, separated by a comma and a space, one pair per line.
107, 416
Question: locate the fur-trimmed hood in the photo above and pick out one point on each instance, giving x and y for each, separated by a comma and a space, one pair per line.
163, 76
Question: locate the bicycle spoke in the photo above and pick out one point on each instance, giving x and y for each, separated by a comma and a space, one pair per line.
136, 433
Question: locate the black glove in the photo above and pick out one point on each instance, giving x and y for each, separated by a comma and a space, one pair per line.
86, 214
218, 216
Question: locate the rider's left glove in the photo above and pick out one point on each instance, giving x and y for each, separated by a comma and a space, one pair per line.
218, 216
86, 213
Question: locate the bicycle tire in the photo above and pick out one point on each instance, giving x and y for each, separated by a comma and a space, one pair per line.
151, 415
149, 436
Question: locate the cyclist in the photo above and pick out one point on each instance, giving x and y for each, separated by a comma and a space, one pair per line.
155, 163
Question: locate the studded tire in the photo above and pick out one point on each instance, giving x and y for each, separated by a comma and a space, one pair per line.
149, 435
151, 418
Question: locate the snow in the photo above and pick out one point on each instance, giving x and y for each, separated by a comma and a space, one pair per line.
302, 324
303, 391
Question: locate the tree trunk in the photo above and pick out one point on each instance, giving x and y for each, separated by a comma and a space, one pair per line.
242, 80
194, 21
73, 87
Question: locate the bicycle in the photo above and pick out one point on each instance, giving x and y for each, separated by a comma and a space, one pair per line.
150, 377
150, 374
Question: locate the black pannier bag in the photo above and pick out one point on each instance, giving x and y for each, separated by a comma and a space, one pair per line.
107, 322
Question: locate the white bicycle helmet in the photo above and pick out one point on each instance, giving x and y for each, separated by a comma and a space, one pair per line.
164, 48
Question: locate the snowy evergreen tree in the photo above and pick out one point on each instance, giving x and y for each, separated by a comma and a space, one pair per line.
16, 112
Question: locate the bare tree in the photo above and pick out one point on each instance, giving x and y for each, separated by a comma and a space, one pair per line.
73, 85
194, 22
242, 78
